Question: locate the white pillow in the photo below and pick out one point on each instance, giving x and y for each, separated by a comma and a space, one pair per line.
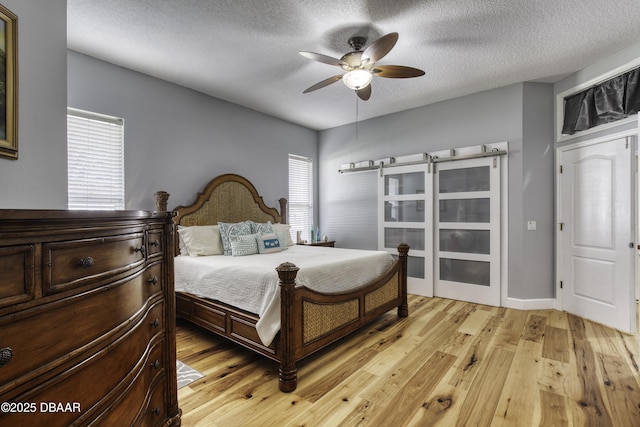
202, 240
286, 228
182, 247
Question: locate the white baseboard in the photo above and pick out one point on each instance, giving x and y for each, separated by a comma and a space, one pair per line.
530, 304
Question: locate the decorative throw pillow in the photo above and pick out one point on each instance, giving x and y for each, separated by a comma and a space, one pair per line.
244, 245
282, 236
269, 243
201, 240
228, 230
261, 228
286, 228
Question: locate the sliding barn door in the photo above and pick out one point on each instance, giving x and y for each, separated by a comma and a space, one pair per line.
467, 230
405, 216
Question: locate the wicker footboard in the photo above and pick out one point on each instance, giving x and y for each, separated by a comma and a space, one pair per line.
321, 319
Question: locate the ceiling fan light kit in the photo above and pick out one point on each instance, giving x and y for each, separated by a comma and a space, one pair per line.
360, 65
357, 79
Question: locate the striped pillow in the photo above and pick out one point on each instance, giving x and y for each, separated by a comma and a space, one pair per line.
244, 245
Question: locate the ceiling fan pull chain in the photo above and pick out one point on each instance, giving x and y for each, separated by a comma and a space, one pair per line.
356, 117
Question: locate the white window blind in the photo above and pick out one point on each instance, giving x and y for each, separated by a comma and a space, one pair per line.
95, 161
300, 195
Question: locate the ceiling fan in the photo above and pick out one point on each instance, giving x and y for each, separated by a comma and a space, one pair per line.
360, 65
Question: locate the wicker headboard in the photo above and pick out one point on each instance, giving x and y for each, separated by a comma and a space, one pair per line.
228, 198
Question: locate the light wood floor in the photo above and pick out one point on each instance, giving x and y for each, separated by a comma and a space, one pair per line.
449, 363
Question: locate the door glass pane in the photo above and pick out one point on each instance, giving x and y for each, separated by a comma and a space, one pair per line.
404, 183
413, 237
468, 241
404, 211
464, 210
456, 270
468, 179
415, 267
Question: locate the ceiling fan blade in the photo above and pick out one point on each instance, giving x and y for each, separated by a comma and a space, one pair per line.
380, 47
364, 93
323, 83
324, 58
396, 71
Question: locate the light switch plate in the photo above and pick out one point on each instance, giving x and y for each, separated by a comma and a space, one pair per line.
531, 225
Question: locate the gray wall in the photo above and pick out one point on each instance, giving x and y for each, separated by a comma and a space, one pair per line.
536, 270
177, 139
520, 114
38, 178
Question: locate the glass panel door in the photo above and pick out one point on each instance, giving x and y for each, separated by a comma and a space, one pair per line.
467, 228
405, 216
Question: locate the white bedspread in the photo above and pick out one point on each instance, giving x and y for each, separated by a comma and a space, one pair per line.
251, 282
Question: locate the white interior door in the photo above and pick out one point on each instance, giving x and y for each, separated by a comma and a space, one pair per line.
597, 251
467, 230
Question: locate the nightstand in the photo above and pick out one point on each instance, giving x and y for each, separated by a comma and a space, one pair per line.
328, 243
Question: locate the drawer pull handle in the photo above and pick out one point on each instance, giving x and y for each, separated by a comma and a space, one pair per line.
154, 280
155, 323
155, 365
85, 263
155, 243
140, 249
5, 356
156, 410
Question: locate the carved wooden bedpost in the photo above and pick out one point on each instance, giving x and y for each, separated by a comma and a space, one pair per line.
283, 210
288, 373
403, 255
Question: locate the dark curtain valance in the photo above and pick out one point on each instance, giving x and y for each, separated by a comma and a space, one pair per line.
605, 102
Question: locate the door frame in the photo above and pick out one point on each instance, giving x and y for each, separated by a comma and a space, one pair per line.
558, 200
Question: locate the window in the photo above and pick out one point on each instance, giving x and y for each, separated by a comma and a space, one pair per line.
301, 195
605, 102
95, 161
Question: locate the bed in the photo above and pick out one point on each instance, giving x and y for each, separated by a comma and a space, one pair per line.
299, 318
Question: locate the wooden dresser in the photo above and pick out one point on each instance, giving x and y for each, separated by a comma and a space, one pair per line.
87, 319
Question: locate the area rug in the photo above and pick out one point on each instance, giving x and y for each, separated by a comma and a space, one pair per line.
186, 374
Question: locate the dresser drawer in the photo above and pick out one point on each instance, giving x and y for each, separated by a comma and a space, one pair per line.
90, 385
155, 243
131, 409
17, 274
74, 263
155, 411
73, 325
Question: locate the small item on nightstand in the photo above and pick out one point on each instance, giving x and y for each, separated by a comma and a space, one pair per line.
313, 234
325, 238
299, 237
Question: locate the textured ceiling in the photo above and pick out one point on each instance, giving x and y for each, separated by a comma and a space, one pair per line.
246, 51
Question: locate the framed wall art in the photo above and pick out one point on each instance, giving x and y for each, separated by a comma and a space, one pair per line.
8, 84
